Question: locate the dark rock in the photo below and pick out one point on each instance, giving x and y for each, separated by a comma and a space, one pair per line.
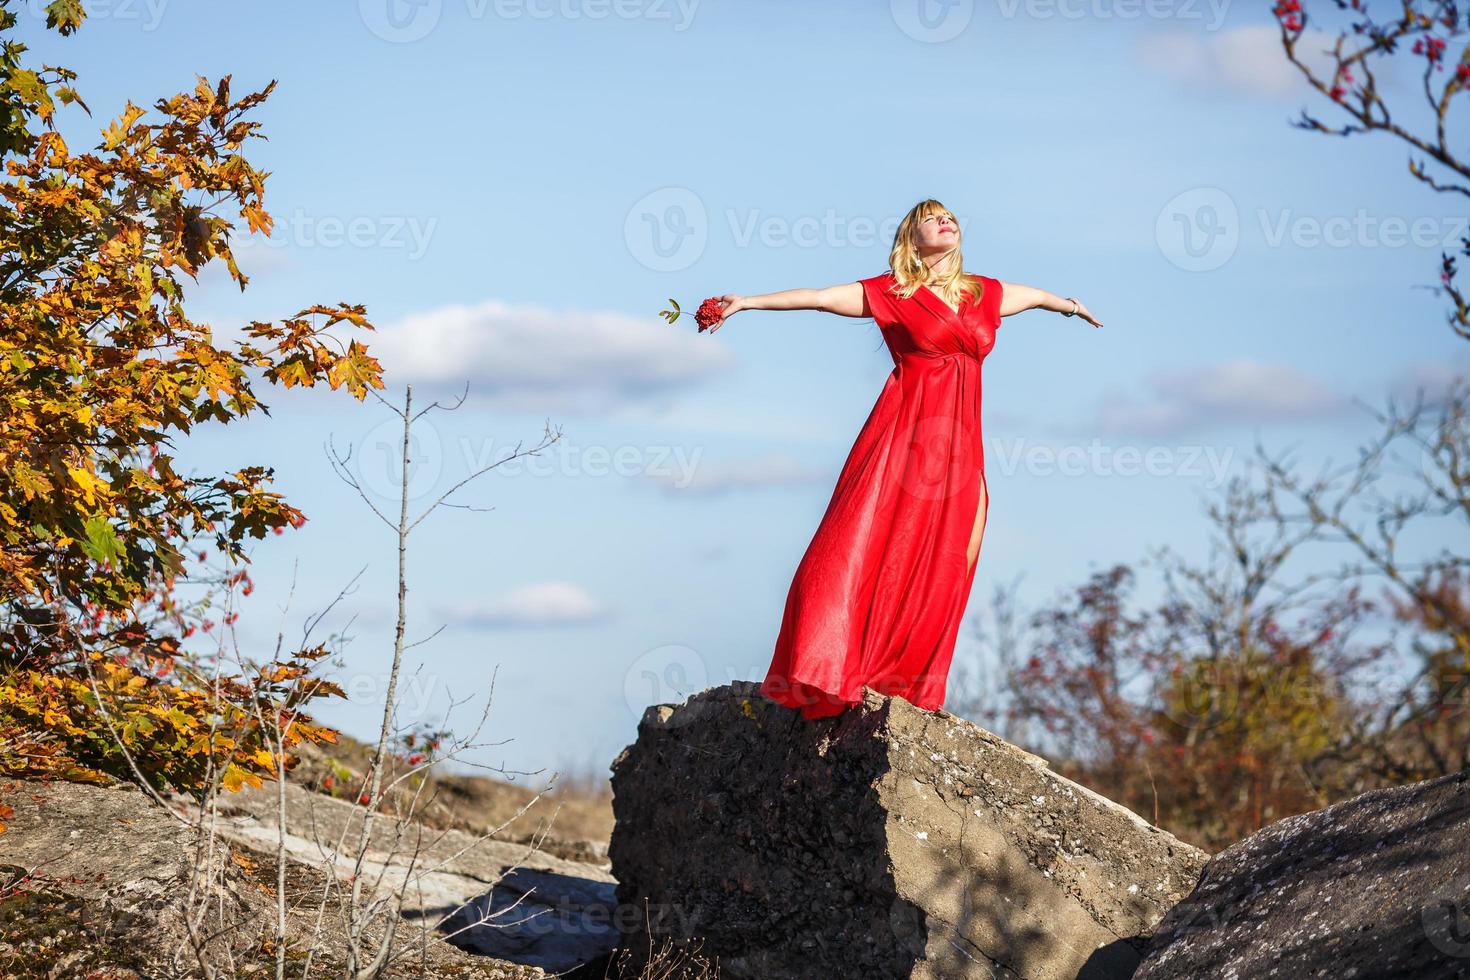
554, 921
1372, 887
888, 841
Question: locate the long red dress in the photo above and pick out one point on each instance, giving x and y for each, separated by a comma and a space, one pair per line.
878, 597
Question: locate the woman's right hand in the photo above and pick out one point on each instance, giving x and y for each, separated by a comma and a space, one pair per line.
732, 304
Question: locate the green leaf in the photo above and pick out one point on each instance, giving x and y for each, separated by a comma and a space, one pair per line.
101, 542
65, 15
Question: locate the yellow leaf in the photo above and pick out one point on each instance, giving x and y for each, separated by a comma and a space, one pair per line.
234, 778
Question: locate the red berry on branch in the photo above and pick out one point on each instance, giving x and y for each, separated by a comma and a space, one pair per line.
709, 313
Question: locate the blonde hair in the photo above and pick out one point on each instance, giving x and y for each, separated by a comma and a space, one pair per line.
908, 267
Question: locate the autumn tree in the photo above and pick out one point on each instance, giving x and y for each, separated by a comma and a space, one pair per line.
101, 367
1320, 650
1397, 518
1204, 713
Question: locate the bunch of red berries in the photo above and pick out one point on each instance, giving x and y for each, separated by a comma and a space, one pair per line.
708, 316
1432, 50
709, 313
1289, 13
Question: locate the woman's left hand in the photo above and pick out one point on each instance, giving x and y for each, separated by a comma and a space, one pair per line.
1086, 314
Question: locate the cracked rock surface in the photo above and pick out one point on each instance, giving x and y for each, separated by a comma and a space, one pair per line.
888, 841
1374, 886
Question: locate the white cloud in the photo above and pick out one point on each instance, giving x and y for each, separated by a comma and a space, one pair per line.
531, 358
772, 470
1233, 393
1247, 59
1432, 379
539, 604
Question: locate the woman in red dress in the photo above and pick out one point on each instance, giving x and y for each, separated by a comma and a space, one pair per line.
877, 598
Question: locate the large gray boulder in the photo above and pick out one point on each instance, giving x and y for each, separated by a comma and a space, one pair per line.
1376, 886
889, 841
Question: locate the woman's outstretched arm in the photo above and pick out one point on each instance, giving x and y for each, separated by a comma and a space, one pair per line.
1017, 298
844, 299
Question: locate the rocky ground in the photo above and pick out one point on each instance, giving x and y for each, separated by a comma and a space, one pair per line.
96, 881
888, 842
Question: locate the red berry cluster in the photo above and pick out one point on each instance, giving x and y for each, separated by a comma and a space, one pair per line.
1289, 13
709, 313
1432, 50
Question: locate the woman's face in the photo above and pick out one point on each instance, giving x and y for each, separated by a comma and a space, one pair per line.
937, 232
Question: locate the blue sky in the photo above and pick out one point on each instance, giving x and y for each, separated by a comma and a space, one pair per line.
514, 190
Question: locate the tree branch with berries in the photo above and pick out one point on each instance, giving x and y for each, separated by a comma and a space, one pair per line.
1432, 32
